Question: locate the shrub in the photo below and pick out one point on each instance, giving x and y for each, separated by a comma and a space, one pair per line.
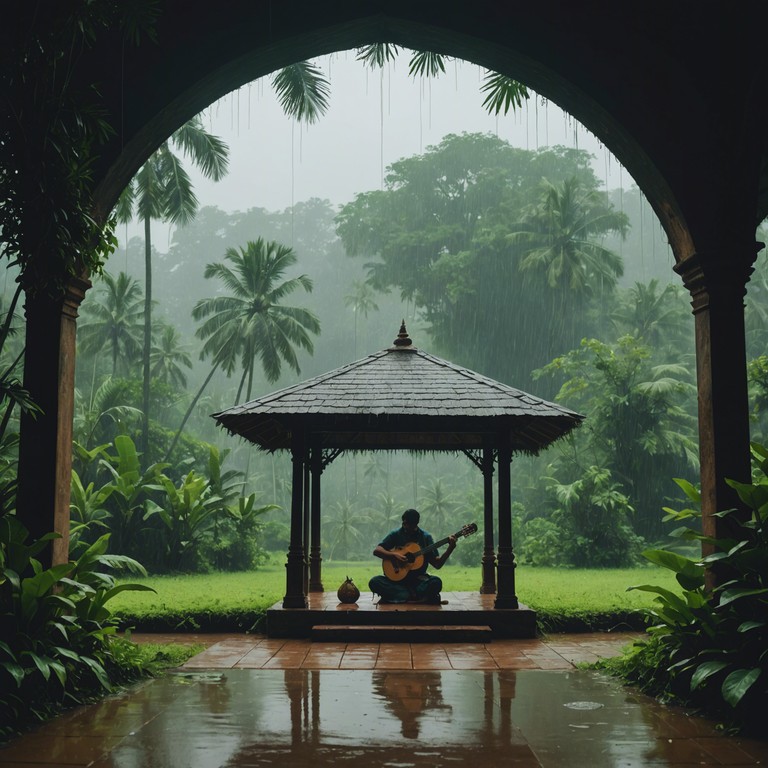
541, 543
56, 633
710, 650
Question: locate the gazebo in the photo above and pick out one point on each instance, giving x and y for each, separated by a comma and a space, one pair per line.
400, 398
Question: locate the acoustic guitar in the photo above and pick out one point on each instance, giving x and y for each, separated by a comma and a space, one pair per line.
396, 571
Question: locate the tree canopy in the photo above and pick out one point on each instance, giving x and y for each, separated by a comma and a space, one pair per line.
448, 232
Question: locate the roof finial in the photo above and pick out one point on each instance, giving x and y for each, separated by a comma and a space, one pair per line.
402, 340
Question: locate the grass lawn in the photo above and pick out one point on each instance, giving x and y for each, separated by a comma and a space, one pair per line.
564, 599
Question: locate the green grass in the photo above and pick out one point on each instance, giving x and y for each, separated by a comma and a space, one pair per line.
564, 599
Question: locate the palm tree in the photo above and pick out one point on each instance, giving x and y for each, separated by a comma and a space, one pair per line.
167, 357
344, 523
112, 319
557, 236
653, 316
437, 505
557, 242
251, 322
361, 300
162, 191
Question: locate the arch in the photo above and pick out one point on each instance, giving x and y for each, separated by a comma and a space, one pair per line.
647, 79
539, 53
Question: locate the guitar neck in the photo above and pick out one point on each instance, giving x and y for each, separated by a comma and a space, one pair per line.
436, 544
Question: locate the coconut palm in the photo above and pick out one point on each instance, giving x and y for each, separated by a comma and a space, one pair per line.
653, 316
361, 301
112, 320
162, 191
557, 242
436, 505
168, 356
558, 237
250, 322
343, 524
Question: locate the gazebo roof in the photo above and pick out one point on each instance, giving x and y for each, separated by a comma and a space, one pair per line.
401, 398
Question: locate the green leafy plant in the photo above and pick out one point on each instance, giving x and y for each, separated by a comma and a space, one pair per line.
237, 545
710, 649
593, 516
129, 488
56, 632
88, 512
185, 513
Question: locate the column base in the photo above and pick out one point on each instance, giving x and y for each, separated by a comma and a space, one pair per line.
295, 601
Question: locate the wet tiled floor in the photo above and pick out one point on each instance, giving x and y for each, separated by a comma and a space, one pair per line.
249, 701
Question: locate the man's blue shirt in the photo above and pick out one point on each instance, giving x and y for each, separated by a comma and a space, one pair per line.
399, 537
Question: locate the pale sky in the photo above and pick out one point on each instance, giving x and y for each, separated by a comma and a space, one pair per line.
375, 117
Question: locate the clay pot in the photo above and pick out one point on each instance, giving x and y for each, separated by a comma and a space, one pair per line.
348, 592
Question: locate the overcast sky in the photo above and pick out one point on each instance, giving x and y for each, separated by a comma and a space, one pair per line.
375, 117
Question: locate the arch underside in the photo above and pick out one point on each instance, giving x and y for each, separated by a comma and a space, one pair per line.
617, 75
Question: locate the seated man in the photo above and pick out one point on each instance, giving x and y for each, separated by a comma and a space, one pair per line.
412, 583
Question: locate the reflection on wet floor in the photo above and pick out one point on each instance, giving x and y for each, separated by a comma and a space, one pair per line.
380, 717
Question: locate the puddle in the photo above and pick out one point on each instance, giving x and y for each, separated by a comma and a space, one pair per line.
399, 719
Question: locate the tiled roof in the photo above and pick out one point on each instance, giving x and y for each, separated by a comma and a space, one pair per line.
401, 397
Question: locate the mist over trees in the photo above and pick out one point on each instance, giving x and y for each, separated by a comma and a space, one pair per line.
512, 262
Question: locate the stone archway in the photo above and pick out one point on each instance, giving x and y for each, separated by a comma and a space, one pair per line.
643, 88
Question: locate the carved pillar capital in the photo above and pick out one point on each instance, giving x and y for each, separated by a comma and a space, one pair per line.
711, 278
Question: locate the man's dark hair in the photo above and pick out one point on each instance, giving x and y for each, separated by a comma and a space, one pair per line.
410, 516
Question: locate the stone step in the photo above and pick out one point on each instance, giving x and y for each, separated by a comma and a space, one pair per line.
416, 633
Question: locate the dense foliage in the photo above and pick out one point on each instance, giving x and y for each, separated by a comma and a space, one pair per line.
57, 636
469, 219
195, 520
458, 231
52, 126
710, 649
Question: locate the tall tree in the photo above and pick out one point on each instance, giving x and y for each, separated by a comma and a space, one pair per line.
656, 316
361, 302
640, 422
558, 238
439, 233
162, 191
112, 319
168, 356
250, 322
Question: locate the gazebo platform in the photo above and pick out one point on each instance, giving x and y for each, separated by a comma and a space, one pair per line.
464, 616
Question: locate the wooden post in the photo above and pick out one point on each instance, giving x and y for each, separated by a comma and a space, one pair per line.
305, 525
505, 596
717, 287
294, 567
315, 558
45, 450
489, 550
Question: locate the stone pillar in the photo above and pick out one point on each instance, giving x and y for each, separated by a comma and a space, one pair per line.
488, 586
505, 596
294, 567
717, 286
45, 450
315, 558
